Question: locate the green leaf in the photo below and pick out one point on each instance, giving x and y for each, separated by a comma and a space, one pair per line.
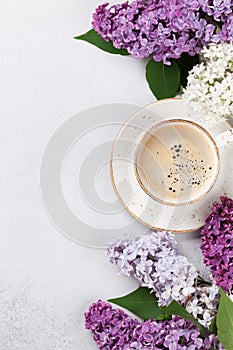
163, 80
176, 309
225, 321
144, 304
213, 326
186, 63
92, 37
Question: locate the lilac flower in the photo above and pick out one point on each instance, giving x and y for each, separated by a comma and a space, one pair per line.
209, 88
212, 342
217, 243
203, 304
219, 9
226, 32
165, 29
127, 253
113, 329
153, 261
173, 276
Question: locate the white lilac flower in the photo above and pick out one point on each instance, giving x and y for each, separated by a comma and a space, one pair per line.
193, 307
153, 261
203, 304
209, 89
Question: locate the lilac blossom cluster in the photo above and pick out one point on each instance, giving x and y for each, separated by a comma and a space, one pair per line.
209, 89
164, 29
217, 243
113, 329
226, 32
219, 9
203, 304
153, 261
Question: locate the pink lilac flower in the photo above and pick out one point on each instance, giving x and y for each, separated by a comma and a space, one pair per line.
217, 243
113, 329
165, 29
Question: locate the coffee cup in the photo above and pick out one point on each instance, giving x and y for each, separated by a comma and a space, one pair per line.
177, 162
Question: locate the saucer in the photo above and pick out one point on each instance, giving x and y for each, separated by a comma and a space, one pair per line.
144, 208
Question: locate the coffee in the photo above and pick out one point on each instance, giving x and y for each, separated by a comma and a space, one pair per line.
177, 162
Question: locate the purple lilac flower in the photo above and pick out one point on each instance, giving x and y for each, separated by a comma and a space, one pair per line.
127, 253
219, 9
113, 329
165, 29
217, 243
226, 32
153, 261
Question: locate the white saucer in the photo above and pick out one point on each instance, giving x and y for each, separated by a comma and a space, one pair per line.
138, 203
